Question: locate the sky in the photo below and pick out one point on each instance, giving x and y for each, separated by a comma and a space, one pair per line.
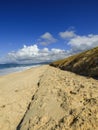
46, 30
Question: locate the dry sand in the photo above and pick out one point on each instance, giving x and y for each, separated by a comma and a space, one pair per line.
46, 98
16, 91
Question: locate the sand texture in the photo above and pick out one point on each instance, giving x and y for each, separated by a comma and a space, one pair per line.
47, 98
16, 91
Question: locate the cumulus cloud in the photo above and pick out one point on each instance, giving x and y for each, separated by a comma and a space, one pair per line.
67, 34
32, 54
47, 38
80, 43
77, 42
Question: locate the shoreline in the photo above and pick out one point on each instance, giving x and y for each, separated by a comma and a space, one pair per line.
16, 90
15, 70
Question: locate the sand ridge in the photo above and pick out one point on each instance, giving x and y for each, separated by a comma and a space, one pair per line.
63, 101
46, 98
16, 92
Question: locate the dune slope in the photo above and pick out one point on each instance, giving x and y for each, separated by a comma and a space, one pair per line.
85, 63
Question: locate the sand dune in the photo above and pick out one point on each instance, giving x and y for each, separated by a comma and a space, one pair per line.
46, 98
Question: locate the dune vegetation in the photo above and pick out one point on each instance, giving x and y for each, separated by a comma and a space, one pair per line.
85, 63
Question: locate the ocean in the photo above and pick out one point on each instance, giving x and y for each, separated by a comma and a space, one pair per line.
12, 67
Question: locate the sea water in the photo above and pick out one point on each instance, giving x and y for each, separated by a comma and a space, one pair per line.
12, 68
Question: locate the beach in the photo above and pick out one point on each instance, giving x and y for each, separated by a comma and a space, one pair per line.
16, 92
47, 98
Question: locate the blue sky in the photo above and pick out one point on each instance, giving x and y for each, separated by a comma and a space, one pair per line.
33, 22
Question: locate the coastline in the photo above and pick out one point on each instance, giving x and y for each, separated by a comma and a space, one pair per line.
12, 70
16, 90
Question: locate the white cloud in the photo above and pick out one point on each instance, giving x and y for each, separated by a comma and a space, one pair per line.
81, 43
56, 51
67, 34
47, 38
32, 54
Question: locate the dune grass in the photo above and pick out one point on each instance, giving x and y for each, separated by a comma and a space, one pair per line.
85, 63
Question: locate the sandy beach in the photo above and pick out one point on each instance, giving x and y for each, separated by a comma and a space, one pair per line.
47, 98
16, 91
